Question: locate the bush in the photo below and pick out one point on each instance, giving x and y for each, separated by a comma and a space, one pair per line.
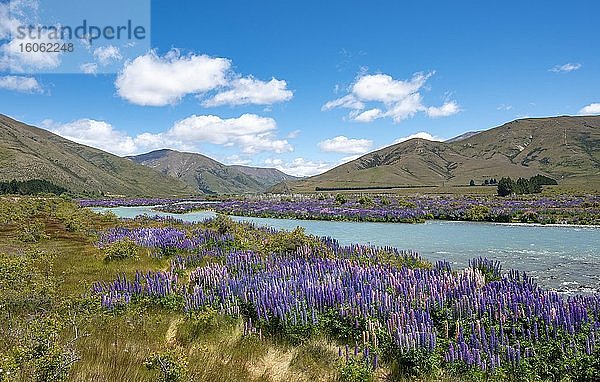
478, 213
121, 250
355, 371
340, 199
365, 201
32, 231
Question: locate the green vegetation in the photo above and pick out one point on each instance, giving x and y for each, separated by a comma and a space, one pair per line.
31, 187
522, 186
55, 329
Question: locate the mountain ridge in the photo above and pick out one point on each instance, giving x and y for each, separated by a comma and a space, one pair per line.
208, 175
28, 152
566, 148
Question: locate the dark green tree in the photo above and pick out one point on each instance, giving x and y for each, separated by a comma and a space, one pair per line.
506, 186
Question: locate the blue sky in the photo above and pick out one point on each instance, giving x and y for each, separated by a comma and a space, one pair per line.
305, 85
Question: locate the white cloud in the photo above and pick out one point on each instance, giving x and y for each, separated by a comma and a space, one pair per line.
568, 67
22, 61
367, 115
94, 133
504, 107
151, 80
107, 54
12, 15
250, 132
299, 166
593, 108
20, 84
405, 108
237, 160
8, 24
447, 109
89, 68
344, 145
422, 135
293, 134
395, 99
383, 88
252, 91
347, 101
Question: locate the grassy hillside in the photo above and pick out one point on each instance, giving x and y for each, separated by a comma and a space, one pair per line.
209, 176
564, 148
27, 152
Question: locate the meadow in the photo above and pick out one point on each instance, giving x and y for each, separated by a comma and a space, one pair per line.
88, 297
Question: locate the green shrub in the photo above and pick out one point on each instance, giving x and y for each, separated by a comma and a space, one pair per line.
365, 201
121, 250
340, 199
478, 213
355, 371
32, 231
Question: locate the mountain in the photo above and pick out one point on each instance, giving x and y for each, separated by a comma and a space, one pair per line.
28, 152
466, 135
564, 148
209, 176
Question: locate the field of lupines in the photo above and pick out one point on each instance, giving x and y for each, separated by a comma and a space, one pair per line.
544, 210
91, 297
383, 308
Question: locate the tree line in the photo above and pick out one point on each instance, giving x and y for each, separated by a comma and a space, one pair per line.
30, 187
533, 185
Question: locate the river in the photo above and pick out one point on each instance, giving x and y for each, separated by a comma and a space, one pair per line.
565, 258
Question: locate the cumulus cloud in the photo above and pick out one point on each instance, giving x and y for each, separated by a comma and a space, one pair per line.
152, 80
20, 83
367, 115
395, 99
420, 134
251, 91
344, 145
99, 134
107, 54
22, 61
568, 67
249, 133
593, 108
299, 166
448, 108
12, 15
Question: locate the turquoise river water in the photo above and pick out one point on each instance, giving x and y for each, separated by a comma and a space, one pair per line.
565, 258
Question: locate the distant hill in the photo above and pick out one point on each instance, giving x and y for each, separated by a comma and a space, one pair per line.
28, 152
209, 176
564, 148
